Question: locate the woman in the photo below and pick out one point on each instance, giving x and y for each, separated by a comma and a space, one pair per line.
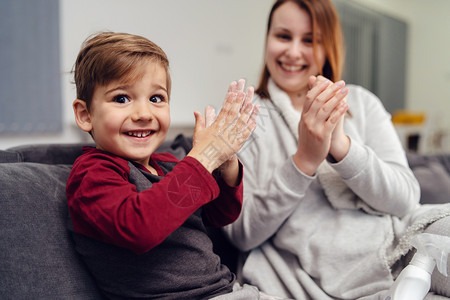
329, 196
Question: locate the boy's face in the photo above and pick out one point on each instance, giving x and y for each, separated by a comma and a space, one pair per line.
131, 119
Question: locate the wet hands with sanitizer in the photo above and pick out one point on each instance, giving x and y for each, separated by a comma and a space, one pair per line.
415, 280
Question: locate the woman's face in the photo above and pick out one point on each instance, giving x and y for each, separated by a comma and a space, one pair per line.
289, 49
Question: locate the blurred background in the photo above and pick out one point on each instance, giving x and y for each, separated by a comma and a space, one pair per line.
398, 49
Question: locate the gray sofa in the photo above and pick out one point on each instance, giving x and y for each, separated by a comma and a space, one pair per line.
37, 256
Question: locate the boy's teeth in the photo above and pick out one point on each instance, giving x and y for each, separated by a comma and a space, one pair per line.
139, 134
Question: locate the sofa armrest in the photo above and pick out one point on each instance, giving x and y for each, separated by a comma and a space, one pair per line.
38, 258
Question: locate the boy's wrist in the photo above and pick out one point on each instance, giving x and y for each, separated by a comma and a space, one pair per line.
229, 171
208, 163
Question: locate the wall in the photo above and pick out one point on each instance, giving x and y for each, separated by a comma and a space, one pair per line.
428, 60
211, 42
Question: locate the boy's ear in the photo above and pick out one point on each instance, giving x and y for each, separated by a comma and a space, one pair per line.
82, 116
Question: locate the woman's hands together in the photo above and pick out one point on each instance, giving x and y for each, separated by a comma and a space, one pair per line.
320, 130
217, 139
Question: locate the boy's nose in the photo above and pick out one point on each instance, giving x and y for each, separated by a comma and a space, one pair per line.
142, 111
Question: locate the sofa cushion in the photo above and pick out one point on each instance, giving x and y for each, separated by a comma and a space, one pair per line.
37, 256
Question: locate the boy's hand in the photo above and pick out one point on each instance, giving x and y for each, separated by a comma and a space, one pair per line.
217, 140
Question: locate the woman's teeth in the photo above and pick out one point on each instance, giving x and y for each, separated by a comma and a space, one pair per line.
291, 68
139, 133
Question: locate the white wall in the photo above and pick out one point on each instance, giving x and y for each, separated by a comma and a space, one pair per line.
209, 44
212, 42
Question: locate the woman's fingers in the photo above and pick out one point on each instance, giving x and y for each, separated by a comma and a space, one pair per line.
327, 107
337, 114
311, 81
324, 98
318, 87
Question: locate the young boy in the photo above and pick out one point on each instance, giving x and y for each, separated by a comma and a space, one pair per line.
138, 217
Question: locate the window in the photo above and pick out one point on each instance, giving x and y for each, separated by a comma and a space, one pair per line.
375, 52
30, 81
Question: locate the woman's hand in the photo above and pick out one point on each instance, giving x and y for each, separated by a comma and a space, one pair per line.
323, 110
340, 142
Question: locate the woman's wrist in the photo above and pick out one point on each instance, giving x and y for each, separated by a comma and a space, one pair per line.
339, 149
305, 165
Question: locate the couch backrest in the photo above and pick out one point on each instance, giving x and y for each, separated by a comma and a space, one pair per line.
43, 153
433, 174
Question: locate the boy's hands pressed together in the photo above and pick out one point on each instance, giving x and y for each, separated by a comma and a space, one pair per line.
217, 139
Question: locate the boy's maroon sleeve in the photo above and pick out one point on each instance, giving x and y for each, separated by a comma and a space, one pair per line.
104, 205
227, 207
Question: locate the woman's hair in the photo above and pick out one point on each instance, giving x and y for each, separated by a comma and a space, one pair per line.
107, 56
325, 19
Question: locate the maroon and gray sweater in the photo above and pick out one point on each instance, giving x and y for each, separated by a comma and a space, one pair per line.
144, 235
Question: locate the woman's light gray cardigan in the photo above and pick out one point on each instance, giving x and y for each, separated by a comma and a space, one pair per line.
339, 233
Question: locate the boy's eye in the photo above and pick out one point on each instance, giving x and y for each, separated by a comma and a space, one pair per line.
156, 98
121, 99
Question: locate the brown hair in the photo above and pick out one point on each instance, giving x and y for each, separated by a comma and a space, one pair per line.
108, 56
324, 18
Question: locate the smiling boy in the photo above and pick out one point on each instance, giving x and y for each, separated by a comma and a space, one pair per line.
138, 218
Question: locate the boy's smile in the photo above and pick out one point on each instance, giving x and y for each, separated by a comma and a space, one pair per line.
131, 118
